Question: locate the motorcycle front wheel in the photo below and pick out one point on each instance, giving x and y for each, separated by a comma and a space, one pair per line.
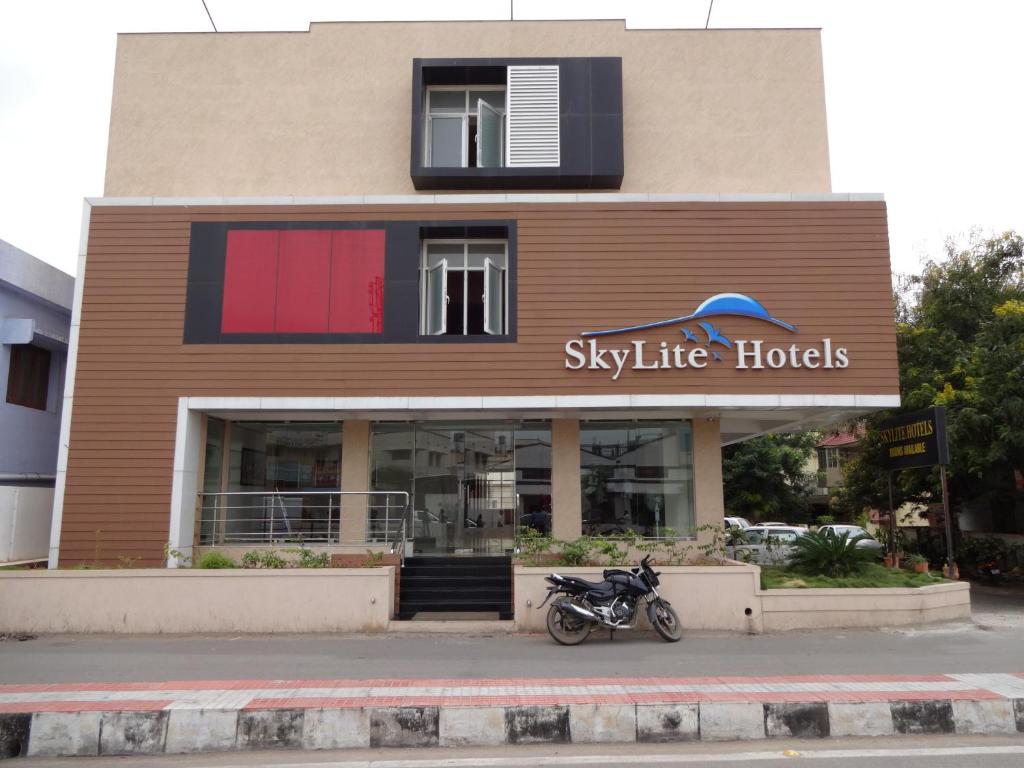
564, 627
665, 621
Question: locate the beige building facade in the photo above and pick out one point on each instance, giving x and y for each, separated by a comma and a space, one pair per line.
326, 112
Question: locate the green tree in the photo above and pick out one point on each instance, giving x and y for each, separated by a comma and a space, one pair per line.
765, 478
960, 339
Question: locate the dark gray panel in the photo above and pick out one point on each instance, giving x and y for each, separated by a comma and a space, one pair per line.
270, 729
587, 87
533, 725
922, 716
797, 720
404, 727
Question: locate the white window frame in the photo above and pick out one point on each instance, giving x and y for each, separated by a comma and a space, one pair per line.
467, 111
465, 269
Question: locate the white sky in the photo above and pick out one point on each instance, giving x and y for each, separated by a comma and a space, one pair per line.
925, 97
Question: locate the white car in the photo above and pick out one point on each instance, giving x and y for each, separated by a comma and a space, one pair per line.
852, 531
736, 522
768, 544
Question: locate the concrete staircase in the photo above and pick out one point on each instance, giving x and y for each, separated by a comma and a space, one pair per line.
456, 584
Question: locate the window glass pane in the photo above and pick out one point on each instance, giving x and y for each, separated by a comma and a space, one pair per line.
533, 476
446, 142
496, 99
637, 476
490, 132
480, 251
453, 252
495, 294
436, 299
447, 102
278, 467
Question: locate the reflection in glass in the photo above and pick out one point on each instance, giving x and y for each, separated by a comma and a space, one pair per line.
466, 480
273, 463
637, 476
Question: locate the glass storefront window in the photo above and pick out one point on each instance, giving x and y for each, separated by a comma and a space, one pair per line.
274, 475
637, 476
470, 483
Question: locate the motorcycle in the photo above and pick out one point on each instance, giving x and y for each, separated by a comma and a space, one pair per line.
581, 606
989, 573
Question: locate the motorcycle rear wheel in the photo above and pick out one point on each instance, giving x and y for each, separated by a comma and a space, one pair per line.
665, 621
565, 628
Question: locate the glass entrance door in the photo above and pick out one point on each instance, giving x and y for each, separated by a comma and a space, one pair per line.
464, 480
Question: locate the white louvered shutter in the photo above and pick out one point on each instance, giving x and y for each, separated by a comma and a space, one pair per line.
532, 114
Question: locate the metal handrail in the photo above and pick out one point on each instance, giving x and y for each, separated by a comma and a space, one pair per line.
271, 523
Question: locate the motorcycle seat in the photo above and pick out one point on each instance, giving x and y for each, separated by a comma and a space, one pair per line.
590, 586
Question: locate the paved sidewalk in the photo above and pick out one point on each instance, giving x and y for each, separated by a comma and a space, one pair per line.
309, 694
218, 715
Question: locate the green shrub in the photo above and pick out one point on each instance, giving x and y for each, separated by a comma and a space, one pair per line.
576, 552
263, 558
829, 555
310, 559
216, 561
533, 545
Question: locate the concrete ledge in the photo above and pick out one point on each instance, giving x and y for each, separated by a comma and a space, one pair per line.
789, 609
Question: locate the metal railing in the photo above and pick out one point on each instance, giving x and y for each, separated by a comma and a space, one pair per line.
309, 517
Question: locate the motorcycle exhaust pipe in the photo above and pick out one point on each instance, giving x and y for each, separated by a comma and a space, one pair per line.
580, 611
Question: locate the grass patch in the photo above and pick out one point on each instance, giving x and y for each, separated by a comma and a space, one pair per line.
872, 575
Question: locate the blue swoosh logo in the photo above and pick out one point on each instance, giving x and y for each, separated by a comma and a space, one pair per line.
735, 304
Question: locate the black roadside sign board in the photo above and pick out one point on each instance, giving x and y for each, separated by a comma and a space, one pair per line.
915, 439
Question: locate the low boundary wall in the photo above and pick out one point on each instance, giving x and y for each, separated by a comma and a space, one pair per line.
730, 598
787, 609
705, 597
720, 598
156, 601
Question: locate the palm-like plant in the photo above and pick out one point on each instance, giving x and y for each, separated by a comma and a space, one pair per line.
830, 555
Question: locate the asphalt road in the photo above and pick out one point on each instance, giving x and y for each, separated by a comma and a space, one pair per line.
991, 643
902, 752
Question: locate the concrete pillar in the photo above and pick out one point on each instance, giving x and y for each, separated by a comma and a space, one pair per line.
709, 504
355, 476
566, 498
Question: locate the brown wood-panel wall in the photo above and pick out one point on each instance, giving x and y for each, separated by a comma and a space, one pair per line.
823, 267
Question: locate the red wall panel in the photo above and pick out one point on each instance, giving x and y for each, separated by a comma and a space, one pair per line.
250, 281
357, 281
303, 281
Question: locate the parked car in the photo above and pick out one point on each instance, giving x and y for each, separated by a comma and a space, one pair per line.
853, 531
736, 522
768, 544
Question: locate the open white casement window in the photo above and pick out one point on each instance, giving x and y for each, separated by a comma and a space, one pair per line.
456, 117
494, 297
437, 299
464, 288
490, 136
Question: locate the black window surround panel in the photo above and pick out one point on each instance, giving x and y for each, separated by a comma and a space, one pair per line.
402, 249
590, 125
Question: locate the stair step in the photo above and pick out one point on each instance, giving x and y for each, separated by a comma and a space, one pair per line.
456, 584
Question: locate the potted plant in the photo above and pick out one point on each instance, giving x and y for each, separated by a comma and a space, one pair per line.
918, 562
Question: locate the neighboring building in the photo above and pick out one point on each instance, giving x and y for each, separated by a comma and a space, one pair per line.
35, 317
826, 466
518, 270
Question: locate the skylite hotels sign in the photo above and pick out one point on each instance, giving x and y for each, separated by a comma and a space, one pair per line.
703, 344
